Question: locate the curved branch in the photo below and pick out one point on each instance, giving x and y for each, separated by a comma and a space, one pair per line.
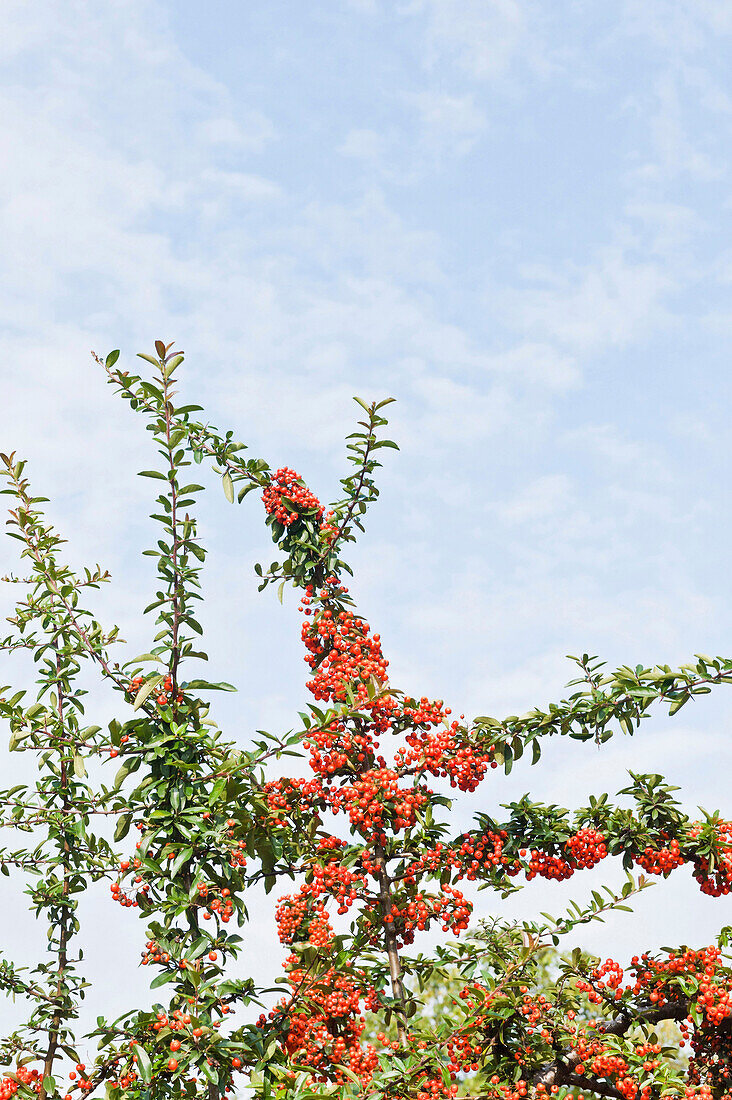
561, 1071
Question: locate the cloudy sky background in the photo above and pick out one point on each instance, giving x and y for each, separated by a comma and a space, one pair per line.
514, 218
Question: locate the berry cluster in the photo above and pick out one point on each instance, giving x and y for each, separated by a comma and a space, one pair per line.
586, 848
661, 861
340, 649
215, 902
321, 1022
30, 1078
287, 498
127, 897
715, 879
450, 906
545, 865
445, 753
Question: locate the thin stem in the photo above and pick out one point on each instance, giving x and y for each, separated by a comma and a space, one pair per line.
172, 479
356, 494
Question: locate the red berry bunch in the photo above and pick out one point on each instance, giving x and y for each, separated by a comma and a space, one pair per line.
661, 861
717, 880
586, 848
30, 1078
287, 498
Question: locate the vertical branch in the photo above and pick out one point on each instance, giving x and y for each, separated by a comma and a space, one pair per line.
179, 806
173, 481
64, 923
390, 938
68, 855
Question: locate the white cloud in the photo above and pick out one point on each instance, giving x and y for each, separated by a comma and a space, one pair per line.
605, 303
544, 497
367, 238
672, 226
610, 445
250, 130
676, 151
480, 36
678, 26
454, 412
24, 28
365, 145
532, 364
446, 126
449, 123
244, 185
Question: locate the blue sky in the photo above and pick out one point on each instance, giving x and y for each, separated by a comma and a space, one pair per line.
513, 217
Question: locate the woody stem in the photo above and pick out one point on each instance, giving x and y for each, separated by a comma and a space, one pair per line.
390, 938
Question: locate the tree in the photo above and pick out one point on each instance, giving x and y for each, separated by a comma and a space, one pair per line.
364, 840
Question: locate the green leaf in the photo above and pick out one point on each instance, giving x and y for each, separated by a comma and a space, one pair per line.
143, 1063
79, 769
182, 857
147, 689
162, 979
209, 1072
228, 485
109, 362
123, 827
349, 1074
203, 685
121, 775
197, 948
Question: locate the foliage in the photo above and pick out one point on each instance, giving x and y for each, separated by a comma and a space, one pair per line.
364, 841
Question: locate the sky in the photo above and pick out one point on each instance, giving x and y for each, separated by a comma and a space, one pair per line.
512, 217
